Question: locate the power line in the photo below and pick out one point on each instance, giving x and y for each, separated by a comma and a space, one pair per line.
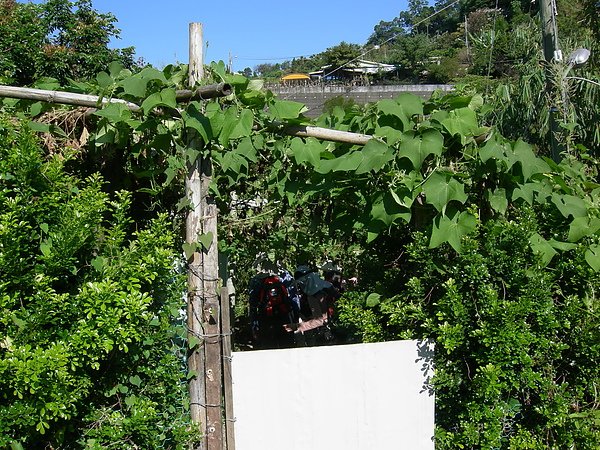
282, 58
394, 36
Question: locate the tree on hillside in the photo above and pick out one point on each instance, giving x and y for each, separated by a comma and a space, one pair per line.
416, 17
386, 31
58, 38
340, 54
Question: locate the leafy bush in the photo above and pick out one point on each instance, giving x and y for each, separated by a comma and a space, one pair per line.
517, 343
90, 326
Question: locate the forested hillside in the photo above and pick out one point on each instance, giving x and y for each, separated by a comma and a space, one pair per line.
449, 40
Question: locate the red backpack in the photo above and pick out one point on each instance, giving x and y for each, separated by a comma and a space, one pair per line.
273, 297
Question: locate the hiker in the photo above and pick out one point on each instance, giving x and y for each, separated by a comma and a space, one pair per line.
271, 307
333, 273
316, 307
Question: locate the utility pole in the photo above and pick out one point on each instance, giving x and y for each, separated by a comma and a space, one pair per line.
203, 308
549, 31
551, 53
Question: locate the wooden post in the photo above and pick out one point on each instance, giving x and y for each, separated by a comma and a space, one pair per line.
549, 32
204, 360
227, 376
551, 53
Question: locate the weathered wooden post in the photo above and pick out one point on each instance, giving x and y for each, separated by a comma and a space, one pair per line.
203, 309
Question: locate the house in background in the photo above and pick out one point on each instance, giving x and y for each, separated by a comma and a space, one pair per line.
354, 71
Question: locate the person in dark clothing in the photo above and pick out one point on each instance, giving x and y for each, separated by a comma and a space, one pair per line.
271, 307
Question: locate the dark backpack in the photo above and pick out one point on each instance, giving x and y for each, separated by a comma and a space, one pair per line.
273, 298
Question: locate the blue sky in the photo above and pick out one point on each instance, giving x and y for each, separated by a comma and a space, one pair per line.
253, 32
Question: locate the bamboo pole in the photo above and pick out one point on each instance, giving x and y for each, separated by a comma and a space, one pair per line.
65, 98
71, 98
204, 92
201, 93
327, 134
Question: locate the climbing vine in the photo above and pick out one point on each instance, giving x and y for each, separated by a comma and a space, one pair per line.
432, 185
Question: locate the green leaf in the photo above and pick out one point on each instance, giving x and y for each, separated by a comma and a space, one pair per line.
206, 240
562, 246
530, 164
345, 163
244, 125
498, 200
391, 108
233, 161
46, 248
390, 134
135, 380
229, 122
493, 150
115, 68
285, 109
570, 205
44, 227
38, 127
440, 189
525, 191
166, 97
403, 196
193, 118
193, 342
104, 80
114, 112
385, 209
592, 256
134, 86
542, 247
462, 122
416, 147
375, 155
246, 149
99, 263
411, 104
189, 248
373, 300
451, 230
35, 109
581, 227
307, 151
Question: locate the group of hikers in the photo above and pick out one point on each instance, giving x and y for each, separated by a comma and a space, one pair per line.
293, 310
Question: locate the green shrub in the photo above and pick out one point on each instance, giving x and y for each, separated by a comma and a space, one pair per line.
90, 325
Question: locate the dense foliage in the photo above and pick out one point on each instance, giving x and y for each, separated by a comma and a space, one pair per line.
58, 38
89, 347
457, 232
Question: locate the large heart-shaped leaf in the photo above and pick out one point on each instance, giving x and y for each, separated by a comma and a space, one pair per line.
418, 146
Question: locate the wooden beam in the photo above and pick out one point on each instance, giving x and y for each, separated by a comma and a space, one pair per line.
196, 54
93, 101
201, 93
204, 92
327, 134
65, 98
195, 305
204, 316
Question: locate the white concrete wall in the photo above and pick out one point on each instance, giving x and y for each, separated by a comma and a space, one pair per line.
350, 397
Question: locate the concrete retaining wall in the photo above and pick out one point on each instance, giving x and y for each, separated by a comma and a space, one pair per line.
314, 97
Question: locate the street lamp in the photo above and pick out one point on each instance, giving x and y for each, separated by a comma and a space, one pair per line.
578, 58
